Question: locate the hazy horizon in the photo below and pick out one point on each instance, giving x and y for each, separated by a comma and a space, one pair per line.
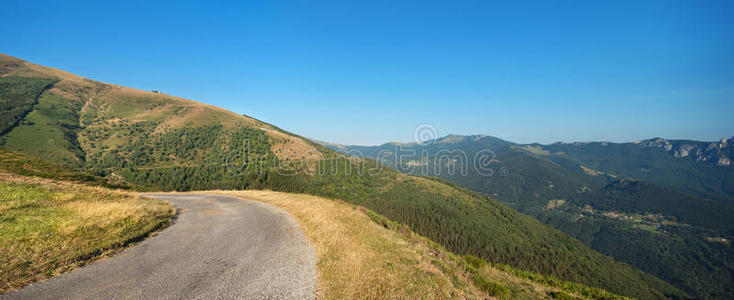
476, 134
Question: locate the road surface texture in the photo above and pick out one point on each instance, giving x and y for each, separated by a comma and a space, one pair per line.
219, 247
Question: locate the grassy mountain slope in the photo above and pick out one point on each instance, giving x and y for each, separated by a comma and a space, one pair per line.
17, 97
50, 227
18, 163
402, 264
40, 216
666, 230
161, 142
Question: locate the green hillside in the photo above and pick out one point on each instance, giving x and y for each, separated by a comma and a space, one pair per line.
18, 95
589, 191
650, 160
161, 142
23, 178
18, 163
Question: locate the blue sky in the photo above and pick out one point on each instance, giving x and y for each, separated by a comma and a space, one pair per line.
368, 72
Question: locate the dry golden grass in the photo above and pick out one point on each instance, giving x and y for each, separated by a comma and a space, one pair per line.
288, 147
361, 259
590, 171
109, 96
50, 227
24, 68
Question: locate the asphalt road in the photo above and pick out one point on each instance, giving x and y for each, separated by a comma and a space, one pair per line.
220, 247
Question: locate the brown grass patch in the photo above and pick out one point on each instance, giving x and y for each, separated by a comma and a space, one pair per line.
359, 259
362, 255
50, 227
290, 148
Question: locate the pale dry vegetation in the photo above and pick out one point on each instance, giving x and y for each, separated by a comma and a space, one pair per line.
362, 255
50, 227
357, 258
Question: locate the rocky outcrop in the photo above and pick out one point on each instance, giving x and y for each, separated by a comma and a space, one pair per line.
718, 153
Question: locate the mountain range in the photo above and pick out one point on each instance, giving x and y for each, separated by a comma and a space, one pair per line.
661, 205
151, 141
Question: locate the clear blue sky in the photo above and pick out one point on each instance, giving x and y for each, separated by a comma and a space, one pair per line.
368, 72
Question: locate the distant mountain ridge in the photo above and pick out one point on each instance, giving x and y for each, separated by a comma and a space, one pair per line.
662, 205
717, 152
155, 141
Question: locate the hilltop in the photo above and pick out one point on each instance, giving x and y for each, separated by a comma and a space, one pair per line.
154, 141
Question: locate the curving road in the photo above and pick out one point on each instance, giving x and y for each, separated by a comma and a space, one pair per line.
220, 247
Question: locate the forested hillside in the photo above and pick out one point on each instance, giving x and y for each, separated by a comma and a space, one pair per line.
160, 142
702, 168
31, 186
594, 192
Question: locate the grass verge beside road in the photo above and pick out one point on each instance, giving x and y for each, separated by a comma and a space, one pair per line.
362, 255
50, 227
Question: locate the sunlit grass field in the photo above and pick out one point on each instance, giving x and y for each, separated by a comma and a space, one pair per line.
362, 255
49, 227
